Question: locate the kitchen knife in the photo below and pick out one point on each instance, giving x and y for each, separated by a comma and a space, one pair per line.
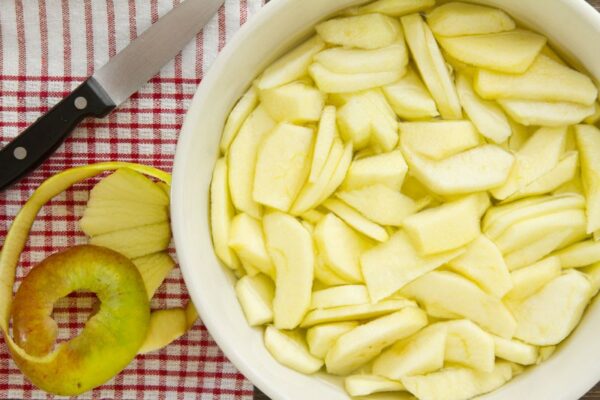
107, 88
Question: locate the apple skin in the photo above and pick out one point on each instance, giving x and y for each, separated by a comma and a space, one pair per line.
111, 337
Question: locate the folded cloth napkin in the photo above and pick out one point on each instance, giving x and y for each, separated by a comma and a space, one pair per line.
47, 47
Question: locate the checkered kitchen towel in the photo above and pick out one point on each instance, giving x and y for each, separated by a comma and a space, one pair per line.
47, 47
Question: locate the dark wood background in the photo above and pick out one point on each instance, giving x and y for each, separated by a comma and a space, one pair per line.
595, 392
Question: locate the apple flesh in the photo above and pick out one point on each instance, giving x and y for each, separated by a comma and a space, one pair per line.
371, 31
245, 105
364, 385
396, 8
322, 337
387, 168
295, 102
291, 350
460, 19
409, 97
352, 61
440, 139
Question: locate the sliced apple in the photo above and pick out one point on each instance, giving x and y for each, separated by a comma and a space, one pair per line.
292, 65
529, 280
371, 31
468, 345
346, 295
129, 186
321, 338
290, 349
295, 102
365, 342
537, 250
340, 247
439, 312
255, 294
409, 97
356, 220
474, 170
312, 216
482, 262
247, 239
439, 139
240, 112
388, 169
339, 174
241, 160
165, 327
460, 19
515, 351
363, 385
580, 254
431, 65
396, 8
143, 240
551, 314
545, 80
593, 274
333, 82
326, 134
290, 246
352, 61
544, 113
461, 296
447, 227
282, 166
325, 276
588, 143
355, 313
487, 116
154, 268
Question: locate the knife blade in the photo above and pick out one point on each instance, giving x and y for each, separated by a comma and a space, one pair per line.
107, 88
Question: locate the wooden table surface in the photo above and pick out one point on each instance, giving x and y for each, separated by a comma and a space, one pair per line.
592, 394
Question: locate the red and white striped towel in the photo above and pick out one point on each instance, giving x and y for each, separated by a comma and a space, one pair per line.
47, 47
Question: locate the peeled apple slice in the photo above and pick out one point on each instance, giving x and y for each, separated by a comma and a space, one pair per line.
255, 294
474, 170
290, 246
588, 143
346, 295
356, 220
126, 185
365, 342
419, 354
468, 345
393, 264
326, 134
241, 160
457, 383
289, 349
245, 105
292, 65
447, 227
322, 337
515, 351
580, 254
460, 19
527, 281
333, 82
362, 385
154, 268
545, 80
544, 113
487, 116
511, 52
352, 61
537, 250
282, 166
388, 169
409, 97
371, 31
431, 65
295, 102
550, 315
461, 296
137, 242
593, 274
247, 239
339, 173
174, 318
396, 8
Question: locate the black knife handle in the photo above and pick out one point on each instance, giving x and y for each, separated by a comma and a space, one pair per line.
36, 143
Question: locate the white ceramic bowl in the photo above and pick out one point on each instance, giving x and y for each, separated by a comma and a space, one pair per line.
571, 25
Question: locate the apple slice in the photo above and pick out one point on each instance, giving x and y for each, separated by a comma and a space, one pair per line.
290, 246
365, 342
545, 80
510, 52
346, 295
312, 216
487, 116
447, 227
321, 338
165, 327
356, 220
393, 264
460, 19
352, 61
515, 351
364, 385
439, 139
255, 294
325, 275
380, 204
538, 156
454, 383
295, 102
340, 247
474, 170
128, 186
140, 241
247, 239
242, 109
242, 160
355, 313
439, 312
593, 274
537, 250
290, 349
409, 97
468, 345
482, 262
580, 254
529, 280
292, 65
396, 8
154, 268
419, 354
388, 169
544, 113
549, 316
461, 296
588, 143
371, 31
282, 166
339, 174
595, 117
332, 82
326, 134
432, 66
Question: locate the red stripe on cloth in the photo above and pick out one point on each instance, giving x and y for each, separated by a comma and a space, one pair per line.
243, 11
222, 28
44, 51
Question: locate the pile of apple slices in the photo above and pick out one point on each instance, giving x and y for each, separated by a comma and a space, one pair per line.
410, 200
